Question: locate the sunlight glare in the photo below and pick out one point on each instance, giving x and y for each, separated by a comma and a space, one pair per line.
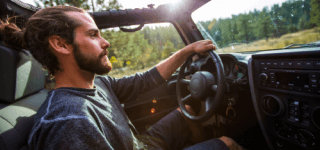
158, 2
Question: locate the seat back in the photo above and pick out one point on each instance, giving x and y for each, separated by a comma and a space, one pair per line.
22, 92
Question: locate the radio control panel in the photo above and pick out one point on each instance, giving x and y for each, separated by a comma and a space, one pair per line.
298, 76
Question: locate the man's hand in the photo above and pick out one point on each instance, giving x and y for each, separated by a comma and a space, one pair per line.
167, 67
231, 144
201, 46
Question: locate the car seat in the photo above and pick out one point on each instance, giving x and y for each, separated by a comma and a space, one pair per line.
21, 94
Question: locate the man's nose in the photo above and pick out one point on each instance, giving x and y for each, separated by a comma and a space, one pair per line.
105, 44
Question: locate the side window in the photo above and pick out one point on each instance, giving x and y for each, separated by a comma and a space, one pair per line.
132, 52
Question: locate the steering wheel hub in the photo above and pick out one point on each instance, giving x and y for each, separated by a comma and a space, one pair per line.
200, 85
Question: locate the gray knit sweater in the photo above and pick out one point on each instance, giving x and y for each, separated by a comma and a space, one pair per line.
76, 118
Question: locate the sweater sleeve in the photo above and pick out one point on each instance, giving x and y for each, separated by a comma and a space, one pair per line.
79, 133
128, 88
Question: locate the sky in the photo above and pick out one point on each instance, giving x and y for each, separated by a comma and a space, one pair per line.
214, 9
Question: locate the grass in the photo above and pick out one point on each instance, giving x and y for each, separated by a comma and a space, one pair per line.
301, 37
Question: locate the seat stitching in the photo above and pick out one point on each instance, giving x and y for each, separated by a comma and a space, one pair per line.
7, 121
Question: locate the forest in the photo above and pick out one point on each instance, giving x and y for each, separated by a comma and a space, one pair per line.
289, 17
150, 45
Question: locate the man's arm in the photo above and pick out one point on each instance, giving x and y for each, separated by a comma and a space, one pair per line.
167, 67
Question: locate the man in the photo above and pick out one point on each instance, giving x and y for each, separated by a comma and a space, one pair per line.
81, 115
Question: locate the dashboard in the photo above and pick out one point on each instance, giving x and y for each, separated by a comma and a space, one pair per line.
285, 90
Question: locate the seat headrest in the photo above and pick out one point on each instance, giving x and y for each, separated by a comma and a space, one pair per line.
20, 74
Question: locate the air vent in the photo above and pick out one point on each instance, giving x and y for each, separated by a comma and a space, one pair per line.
272, 105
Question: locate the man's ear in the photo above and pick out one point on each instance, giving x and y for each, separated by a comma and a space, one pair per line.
59, 45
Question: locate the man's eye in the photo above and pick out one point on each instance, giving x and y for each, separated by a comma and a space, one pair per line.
93, 35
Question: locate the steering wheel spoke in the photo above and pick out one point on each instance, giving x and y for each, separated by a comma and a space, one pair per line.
187, 99
208, 103
187, 73
185, 81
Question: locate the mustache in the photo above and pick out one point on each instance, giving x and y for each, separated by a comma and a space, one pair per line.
105, 52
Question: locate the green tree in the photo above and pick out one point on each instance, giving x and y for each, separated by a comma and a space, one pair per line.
292, 28
302, 22
265, 26
315, 12
168, 49
244, 27
89, 5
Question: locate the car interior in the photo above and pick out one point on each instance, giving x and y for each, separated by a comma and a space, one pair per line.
274, 94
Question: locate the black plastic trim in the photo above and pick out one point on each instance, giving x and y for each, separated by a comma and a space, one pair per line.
255, 102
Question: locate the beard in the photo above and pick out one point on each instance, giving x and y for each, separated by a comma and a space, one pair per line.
91, 63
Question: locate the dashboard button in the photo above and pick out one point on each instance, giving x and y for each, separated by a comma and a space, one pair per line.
314, 85
262, 63
269, 64
290, 63
317, 64
275, 64
308, 64
313, 75
282, 64
298, 64
264, 68
272, 76
313, 81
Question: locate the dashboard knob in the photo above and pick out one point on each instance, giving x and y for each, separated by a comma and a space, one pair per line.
263, 77
305, 138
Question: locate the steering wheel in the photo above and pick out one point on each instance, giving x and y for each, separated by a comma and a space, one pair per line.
203, 86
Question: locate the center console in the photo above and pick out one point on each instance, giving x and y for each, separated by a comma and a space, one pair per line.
286, 92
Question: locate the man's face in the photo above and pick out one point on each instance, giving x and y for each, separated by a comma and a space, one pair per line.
89, 48
92, 63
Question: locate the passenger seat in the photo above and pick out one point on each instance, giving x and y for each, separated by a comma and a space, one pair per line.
22, 92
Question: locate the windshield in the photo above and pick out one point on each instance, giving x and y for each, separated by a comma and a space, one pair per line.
255, 25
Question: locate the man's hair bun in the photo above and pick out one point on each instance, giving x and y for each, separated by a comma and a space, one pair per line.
12, 35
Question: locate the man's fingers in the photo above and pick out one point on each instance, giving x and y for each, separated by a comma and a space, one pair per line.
209, 42
211, 47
